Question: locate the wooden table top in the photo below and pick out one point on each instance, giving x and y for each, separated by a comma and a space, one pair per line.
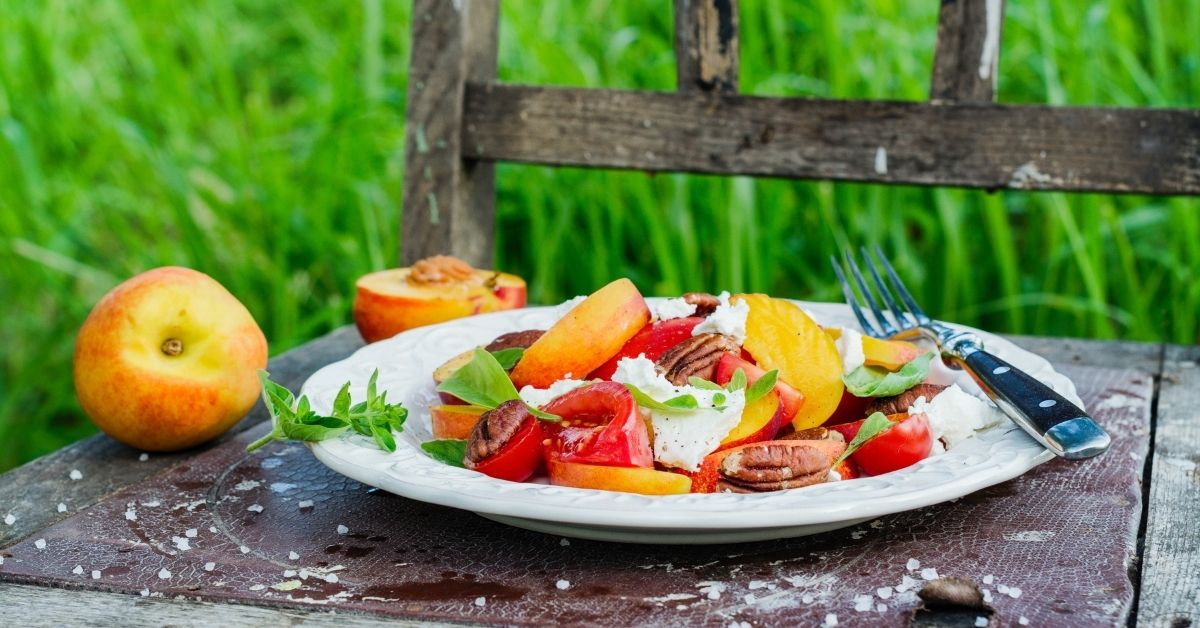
1163, 570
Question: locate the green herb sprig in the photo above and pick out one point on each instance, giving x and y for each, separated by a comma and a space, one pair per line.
295, 420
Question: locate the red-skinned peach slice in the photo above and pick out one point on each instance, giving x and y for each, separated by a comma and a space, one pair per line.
454, 420
624, 479
386, 303
761, 420
590, 334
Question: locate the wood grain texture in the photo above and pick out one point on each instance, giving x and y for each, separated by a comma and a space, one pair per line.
448, 201
968, 145
1170, 593
1144, 356
968, 50
32, 492
706, 45
41, 606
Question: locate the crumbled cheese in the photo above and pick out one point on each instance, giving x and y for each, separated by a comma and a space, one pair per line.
682, 438
341, 529
563, 585
955, 415
672, 308
40, 543
562, 309
728, 319
712, 590
75, 474
538, 397
850, 347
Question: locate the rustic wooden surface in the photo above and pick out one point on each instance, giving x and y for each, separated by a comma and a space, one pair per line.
706, 45
968, 51
1169, 591
447, 200
970, 145
1171, 572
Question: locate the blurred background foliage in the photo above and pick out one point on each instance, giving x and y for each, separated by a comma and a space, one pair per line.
261, 141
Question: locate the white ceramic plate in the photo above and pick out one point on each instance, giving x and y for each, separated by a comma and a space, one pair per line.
406, 363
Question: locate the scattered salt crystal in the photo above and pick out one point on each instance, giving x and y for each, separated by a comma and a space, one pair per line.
144, 457
480, 601
987, 596
293, 556
563, 585
712, 590
564, 542
243, 549
246, 485
152, 504
131, 513
988, 579
40, 543
1002, 589
78, 570
1014, 592
282, 487
1023, 620
858, 534
75, 474
929, 573
342, 529
181, 543
212, 529
331, 578
254, 508
863, 603
62, 507
95, 574
981, 622
807, 598
907, 583
9, 519
830, 620
289, 573
190, 533
738, 624
913, 564
258, 587
304, 503
760, 584
144, 593
884, 592
881, 607
749, 598
209, 566
164, 573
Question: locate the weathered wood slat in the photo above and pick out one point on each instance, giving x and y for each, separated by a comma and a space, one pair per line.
968, 145
32, 492
448, 201
706, 45
1170, 580
968, 50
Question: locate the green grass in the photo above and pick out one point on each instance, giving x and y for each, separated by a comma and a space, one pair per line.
260, 141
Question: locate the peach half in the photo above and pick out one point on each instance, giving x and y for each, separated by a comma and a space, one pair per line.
388, 302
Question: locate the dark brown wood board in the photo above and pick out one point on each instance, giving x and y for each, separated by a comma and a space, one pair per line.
1063, 534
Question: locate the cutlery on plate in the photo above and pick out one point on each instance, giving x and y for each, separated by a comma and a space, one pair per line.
1059, 425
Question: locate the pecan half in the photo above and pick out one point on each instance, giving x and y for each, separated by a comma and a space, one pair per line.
774, 466
812, 433
494, 429
515, 339
440, 270
705, 303
901, 403
697, 356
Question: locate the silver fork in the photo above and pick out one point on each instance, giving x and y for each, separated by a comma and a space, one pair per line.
1060, 425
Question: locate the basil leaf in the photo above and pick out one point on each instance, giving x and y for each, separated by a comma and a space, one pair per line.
674, 404
508, 358
872, 381
719, 399
541, 415
480, 382
703, 384
875, 425
762, 386
737, 382
449, 451
682, 402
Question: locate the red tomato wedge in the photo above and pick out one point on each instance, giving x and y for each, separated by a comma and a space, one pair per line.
905, 443
652, 340
519, 457
601, 425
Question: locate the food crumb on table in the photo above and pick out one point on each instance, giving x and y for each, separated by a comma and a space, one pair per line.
564, 542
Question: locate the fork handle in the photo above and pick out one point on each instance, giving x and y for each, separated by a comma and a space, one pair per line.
1063, 427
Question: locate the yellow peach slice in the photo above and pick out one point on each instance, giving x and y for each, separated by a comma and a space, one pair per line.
454, 421
624, 479
887, 354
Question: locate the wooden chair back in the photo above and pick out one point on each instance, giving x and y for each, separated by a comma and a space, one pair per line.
460, 121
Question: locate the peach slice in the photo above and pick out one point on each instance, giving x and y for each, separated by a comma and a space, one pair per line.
590, 334
389, 302
761, 419
779, 335
888, 354
443, 373
624, 479
454, 421
790, 397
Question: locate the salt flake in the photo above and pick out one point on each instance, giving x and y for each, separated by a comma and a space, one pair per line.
254, 508
1023, 620
209, 566
981, 622
304, 503
1014, 592
181, 543
293, 556
913, 564
61, 507
243, 549
190, 533
480, 601
564, 542
331, 578
258, 587
95, 574
863, 603
830, 620
341, 529
9, 519
75, 474
563, 585
929, 573
989, 579
884, 592
78, 570
144, 457
40, 543
164, 573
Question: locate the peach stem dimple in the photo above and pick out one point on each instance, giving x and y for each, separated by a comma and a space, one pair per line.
172, 347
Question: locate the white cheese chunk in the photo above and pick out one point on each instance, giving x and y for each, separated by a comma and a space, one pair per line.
538, 397
850, 347
728, 318
562, 309
672, 308
955, 415
682, 438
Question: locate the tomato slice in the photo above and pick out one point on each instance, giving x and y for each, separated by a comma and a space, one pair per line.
652, 341
905, 443
601, 425
519, 457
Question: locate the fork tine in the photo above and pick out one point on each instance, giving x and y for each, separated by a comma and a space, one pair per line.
887, 326
902, 317
908, 299
851, 300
